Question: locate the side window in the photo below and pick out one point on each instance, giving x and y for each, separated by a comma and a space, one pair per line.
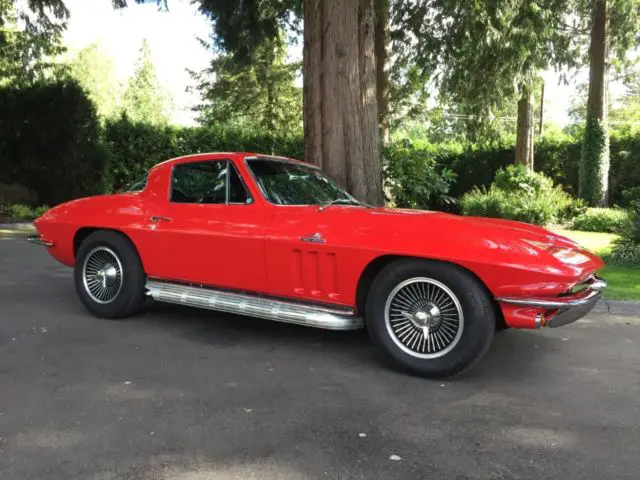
212, 182
237, 191
204, 182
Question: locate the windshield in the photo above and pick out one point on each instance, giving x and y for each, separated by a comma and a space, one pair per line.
288, 183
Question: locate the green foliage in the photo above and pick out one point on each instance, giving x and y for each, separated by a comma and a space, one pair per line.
95, 72
594, 166
41, 210
30, 38
625, 253
518, 194
21, 212
516, 178
241, 27
609, 220
262, 93
135, 147
485, 51
50, 141
144, 99
413, 178
558, 157
631, 195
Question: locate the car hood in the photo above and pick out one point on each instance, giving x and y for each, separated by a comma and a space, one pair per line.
493, 227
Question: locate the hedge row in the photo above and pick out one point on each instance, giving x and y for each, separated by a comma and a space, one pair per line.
134, 148
52, 142
556, 159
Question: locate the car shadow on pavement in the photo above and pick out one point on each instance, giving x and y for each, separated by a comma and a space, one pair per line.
511, 356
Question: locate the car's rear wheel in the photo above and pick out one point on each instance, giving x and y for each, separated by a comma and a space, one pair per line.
109, 276
432, 318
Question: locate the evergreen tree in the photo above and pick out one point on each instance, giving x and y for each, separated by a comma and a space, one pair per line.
30, 39
261, 92
144, 99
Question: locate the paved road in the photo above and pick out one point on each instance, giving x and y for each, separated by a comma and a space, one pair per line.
180, 394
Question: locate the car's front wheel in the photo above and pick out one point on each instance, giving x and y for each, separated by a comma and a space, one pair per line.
109, 276
433, 318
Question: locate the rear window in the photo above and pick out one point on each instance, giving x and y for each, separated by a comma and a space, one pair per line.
135, 186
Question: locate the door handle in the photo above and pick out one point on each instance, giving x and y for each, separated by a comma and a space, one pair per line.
156, 219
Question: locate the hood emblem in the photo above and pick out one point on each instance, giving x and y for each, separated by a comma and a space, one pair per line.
314, 238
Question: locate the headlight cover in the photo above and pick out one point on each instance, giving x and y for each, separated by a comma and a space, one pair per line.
568, 256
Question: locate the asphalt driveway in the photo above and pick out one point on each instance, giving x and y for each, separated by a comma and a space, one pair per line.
181, 394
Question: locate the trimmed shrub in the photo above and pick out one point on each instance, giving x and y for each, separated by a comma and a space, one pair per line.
135, 147
610, 220
50, 141
518, 194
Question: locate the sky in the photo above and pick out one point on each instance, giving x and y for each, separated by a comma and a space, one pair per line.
173, 37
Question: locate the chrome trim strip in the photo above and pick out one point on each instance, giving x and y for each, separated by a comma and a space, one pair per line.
551, 304
254, 306
38, 240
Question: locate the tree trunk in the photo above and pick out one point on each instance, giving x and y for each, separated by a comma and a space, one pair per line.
541, 128
524, 133
382, 77
594, 167
340, 102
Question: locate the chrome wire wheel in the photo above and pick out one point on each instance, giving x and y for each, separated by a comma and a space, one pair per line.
424, 318
102, 275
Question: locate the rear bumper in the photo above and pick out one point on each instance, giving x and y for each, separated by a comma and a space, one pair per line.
560, 311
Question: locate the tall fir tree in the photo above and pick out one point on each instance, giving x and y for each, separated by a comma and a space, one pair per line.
261, 92
144, 99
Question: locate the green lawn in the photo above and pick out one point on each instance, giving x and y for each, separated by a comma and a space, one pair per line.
624, 282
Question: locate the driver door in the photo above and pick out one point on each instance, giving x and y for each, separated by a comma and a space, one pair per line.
210, 230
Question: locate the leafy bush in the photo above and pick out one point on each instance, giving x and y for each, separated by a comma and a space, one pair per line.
516, 178
631, 196
518, 194
413, 179
20, 212
609, 220
39, 211
625, 253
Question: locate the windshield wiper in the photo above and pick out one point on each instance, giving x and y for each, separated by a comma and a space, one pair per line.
343, 201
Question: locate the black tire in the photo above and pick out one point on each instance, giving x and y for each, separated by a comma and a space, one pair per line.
470, 340
128, 295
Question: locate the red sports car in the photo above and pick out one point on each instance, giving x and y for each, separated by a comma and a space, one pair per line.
274, 238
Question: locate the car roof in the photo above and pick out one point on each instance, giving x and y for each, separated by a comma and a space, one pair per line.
215, 155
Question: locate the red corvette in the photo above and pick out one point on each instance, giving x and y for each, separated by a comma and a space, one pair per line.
274, 238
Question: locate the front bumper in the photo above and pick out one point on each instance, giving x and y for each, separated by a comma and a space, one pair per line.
561, 311
39, 240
